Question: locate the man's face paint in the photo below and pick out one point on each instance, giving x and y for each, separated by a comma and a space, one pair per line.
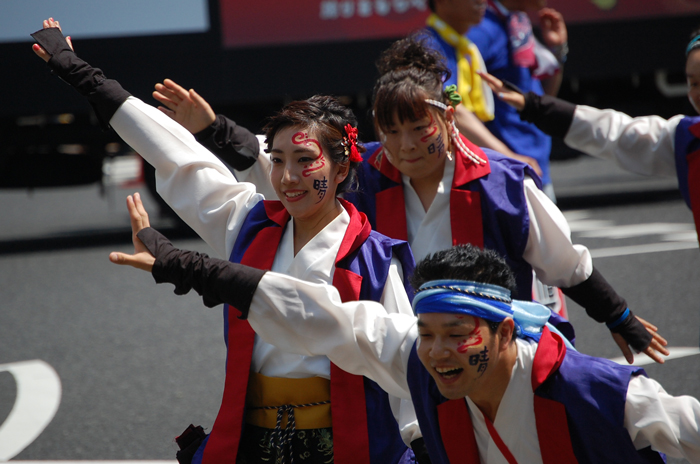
456, 351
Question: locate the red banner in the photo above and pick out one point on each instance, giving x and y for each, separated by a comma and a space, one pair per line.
583, 11
276, 22
279, 22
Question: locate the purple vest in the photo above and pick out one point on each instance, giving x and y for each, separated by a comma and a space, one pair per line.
490, 195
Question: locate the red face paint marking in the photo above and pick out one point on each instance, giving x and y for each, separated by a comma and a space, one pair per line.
302, 138
473, 339
431, 130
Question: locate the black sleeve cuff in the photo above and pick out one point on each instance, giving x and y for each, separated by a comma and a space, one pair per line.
233, 144
420, 451
552, 115
105, 95
216, 280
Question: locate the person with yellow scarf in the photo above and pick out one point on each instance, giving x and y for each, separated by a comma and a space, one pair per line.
445, 32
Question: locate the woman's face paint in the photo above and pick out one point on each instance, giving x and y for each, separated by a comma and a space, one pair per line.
302, 138
417, 148
303, 178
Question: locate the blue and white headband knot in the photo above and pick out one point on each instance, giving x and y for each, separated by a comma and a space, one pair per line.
486, 301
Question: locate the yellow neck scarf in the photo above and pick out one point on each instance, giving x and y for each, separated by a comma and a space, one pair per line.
469, 61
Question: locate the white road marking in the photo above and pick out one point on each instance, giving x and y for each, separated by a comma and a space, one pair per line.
38, 398
637, 249
676, 352
636, 230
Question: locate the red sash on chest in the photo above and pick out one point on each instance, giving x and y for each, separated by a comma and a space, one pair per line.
694, 179
465, 206
457, 431
348, 408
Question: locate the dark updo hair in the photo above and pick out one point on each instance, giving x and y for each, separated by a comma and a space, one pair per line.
692, 46
465, 262
327, 118
409, 72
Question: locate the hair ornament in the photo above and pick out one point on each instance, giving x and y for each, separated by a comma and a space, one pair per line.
452, 95
461, 146
350, 144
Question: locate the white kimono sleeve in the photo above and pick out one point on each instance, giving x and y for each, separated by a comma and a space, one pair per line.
670, 424
555, 260
360, 337
194, 182
643, 145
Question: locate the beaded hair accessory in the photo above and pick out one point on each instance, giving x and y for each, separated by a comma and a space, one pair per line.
350, 144
456, 138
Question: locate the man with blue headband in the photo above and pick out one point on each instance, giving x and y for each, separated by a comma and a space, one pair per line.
490, 380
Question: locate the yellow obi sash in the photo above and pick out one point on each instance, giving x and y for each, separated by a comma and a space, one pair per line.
310, 398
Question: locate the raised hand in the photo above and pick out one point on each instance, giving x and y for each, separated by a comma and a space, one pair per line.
554, 33
142, 258
186, 107
40, 52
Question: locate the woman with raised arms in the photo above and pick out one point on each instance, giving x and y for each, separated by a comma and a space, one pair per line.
277, 406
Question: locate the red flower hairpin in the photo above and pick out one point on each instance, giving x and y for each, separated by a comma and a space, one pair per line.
350, 144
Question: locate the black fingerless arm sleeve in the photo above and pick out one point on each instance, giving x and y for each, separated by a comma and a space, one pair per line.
233, 144
105, 95
216, 280
551, 115
604, 304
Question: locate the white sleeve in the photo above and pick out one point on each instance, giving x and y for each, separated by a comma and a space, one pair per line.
643, 145
395, 300
259, 173
670, 424
360, 337
194, 182
555, 260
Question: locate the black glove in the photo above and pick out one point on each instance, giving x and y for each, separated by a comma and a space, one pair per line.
420, 451
105, 95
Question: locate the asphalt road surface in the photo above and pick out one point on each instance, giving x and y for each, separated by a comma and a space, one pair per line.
100, 364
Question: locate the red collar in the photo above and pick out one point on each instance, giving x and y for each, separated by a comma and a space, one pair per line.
549, 356
357, 232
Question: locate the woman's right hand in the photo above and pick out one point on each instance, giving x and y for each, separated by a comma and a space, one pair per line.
40, 52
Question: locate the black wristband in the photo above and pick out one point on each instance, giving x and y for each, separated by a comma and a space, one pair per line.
550, 114
105, 95
216, 280
420, 451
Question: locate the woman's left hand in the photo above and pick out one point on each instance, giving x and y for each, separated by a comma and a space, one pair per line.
142, 258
